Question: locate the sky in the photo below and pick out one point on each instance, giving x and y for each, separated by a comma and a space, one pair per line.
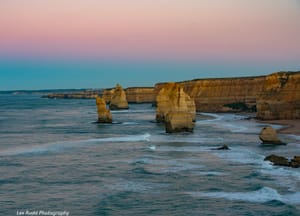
98, 43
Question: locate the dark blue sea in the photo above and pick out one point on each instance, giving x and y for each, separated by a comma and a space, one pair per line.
55, 159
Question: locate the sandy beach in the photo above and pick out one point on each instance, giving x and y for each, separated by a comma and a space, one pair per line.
292, 126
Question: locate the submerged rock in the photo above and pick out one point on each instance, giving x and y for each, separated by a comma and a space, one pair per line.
104, 115
118, 99
268, 135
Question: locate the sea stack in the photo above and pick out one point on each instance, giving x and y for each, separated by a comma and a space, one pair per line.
268, 135
104, 115
118, 100
175, 108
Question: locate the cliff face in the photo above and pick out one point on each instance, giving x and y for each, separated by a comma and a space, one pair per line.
280, 97
223, 95
133, 94
140, 95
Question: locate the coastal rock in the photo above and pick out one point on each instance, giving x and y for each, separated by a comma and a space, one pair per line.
118, 100
282, 161
278, 160
223, 147
280, 97
176, 121
75, 94
172, 98
268, 135
104, 115
295, 162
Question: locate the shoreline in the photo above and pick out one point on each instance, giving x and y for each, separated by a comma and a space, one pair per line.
291, 127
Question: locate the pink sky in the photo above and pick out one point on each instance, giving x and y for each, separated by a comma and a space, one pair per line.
211, 30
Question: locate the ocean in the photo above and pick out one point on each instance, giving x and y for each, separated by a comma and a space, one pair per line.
54, 160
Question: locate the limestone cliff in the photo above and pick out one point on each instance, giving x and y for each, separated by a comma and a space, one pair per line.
221, 95
172, 100
140, 95
280, 97
104, 115
118, 99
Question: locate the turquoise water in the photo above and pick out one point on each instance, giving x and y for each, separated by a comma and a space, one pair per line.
54, 158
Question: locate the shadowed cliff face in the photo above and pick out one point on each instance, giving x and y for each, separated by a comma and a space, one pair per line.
280, 97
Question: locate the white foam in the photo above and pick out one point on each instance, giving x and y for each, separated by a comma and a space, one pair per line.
185, 139
209, 173
241, 155
265, 194
283, 176
57, 146
152, 147
129, 123
296, 137
130, 138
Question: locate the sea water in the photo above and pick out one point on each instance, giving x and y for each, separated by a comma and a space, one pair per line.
54, 158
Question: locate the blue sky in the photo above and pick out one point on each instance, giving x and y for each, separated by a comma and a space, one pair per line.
34, 75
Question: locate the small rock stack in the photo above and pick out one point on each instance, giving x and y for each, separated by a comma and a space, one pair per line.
104, 115
118, 100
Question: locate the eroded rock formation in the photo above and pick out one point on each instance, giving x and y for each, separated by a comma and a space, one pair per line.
104, 115
282, 161
280, 97
118, 99
268, 135
175, 108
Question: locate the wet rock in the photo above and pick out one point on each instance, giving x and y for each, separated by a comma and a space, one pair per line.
223, 147
268, 135
295, 162
278, 160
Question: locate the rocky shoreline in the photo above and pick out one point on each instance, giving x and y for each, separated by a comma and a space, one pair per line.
272, 97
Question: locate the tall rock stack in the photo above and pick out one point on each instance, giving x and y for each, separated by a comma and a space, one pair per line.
175, 108
104, 115
280, 97
118, 99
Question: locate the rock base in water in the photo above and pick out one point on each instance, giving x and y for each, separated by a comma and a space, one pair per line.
104, 115
282, 161
268, 135
179, 122
118, 100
